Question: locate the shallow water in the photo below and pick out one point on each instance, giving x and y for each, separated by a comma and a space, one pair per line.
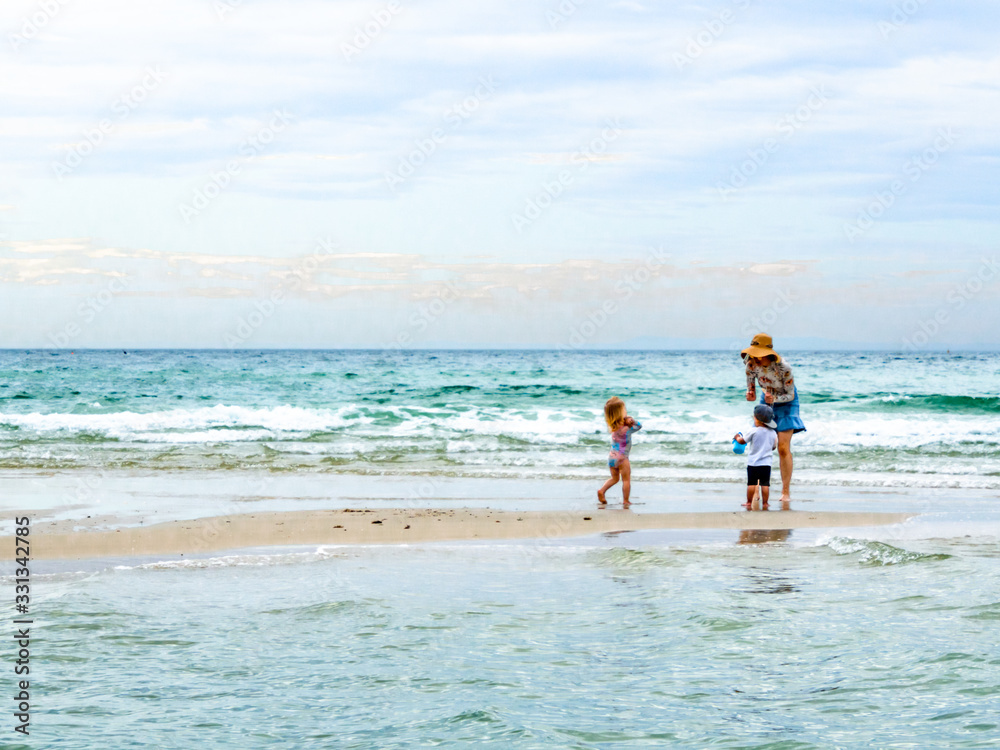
654, 639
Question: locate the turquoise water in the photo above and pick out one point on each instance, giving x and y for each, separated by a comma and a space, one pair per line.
874, 419
809, 640
842, 639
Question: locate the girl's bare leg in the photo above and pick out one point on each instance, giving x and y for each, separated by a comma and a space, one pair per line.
626, 469
607, 486
785, 460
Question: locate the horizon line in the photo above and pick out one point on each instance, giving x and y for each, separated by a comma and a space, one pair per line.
566, 349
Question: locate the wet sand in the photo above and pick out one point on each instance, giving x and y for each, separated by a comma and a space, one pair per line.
65, 540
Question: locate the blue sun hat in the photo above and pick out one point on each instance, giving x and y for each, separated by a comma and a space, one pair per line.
738, 447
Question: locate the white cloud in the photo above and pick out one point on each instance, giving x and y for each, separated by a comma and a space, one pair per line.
684, 130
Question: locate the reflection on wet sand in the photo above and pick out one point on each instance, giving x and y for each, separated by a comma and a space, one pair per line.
767, 581
761, 536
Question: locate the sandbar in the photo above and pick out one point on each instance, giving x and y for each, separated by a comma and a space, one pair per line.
401, 526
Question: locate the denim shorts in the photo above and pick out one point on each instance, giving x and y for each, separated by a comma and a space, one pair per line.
787, 415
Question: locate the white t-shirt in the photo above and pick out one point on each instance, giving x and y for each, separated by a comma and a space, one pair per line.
761, 441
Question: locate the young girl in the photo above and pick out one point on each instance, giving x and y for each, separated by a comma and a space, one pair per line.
621, 426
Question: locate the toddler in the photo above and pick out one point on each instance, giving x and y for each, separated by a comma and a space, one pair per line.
621, 426
762, 439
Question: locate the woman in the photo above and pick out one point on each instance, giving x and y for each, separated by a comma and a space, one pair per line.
766, 368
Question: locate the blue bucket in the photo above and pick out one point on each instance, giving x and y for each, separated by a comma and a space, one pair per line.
739, 448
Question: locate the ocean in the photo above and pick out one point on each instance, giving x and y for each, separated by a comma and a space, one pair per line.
873, 419
786, 640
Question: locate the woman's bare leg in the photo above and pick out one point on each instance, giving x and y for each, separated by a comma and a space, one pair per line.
785, 460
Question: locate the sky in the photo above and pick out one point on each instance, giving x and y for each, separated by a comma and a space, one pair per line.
563, 173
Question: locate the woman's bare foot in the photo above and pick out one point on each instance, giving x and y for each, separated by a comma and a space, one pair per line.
600, 497
785, 498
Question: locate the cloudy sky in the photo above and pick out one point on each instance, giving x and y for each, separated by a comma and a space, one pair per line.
258, 173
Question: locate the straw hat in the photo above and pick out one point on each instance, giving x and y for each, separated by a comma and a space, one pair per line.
761, 346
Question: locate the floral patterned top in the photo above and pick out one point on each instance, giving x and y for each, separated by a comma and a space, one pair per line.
775, 377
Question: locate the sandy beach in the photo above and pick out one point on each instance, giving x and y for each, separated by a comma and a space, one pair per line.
66, 540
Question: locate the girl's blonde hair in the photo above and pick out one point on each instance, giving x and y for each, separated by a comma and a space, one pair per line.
614, 413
